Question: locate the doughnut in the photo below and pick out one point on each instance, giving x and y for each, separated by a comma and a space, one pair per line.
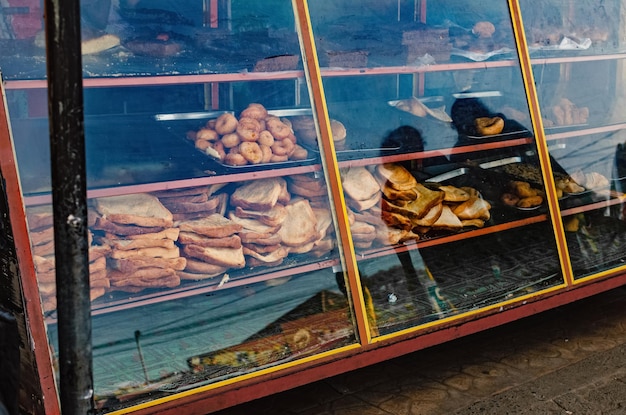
235, 159
292, 137
489, 126
299, 153
278, 129
231, 140
254, 110
192, 135
266, 138
251, 152
210, 124
267, 153
248, 129
225, 124
283, 147
278, 159
510, 199
206, 134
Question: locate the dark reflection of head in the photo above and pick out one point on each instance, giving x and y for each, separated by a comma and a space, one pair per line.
405, 138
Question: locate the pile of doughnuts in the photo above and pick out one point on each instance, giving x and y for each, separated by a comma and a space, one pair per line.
255, 137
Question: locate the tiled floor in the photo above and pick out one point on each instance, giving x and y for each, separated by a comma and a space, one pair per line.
571, 360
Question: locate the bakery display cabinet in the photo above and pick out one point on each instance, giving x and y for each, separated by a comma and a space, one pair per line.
282, 191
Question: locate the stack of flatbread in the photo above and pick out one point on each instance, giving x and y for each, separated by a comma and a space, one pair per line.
260, 207
310, 187
313, 188
418, 208
193, 202
363, 196
141, 234
40, 222
210, 245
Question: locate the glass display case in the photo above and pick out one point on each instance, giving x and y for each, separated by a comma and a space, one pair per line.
277, 187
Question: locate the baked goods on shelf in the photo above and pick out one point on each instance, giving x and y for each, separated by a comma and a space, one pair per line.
255, 137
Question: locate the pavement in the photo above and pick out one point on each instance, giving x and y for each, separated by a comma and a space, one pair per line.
569, 360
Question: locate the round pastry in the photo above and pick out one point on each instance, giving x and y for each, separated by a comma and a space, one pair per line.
489, 125
231, 140
510, 199
338, 130
283, 147
267, 153
266, 138
206, 134
278, 159
299, 153
254, 110
484, 29
278, 129
248, 129
251, 152
225, 124
235, 159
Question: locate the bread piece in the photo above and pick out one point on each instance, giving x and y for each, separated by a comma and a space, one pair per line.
419, 207
267, 257
139, 209
44, 263
260, 194
169, 233
145, 278
260, 238
272, 217
430, 217
447, 221
361, 205
213, 226
262, 249
395, 176
197, 276
176, 206
306, 190
254, 225
453, 194
396, 220
103, 224
300, 227
225, 257
389, 236
132, 264
201, 267
128, 244
398, 195
42, 236
359, 184
231, 241
474, 208
149, 252
39, 217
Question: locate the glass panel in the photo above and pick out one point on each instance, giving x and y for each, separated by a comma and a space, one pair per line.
431, 98
213, 251
578, 63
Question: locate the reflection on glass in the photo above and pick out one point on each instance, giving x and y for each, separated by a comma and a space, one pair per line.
582, 96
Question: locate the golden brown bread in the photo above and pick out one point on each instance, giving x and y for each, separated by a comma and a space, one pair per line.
300, 227
225, 257
140, 209
213, 226
260, 194
395, 176
359, 184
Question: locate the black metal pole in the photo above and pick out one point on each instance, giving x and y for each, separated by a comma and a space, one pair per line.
69, 197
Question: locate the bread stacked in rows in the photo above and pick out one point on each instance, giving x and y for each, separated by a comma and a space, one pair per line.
194, 202
210, 245
40, 222
142, 237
